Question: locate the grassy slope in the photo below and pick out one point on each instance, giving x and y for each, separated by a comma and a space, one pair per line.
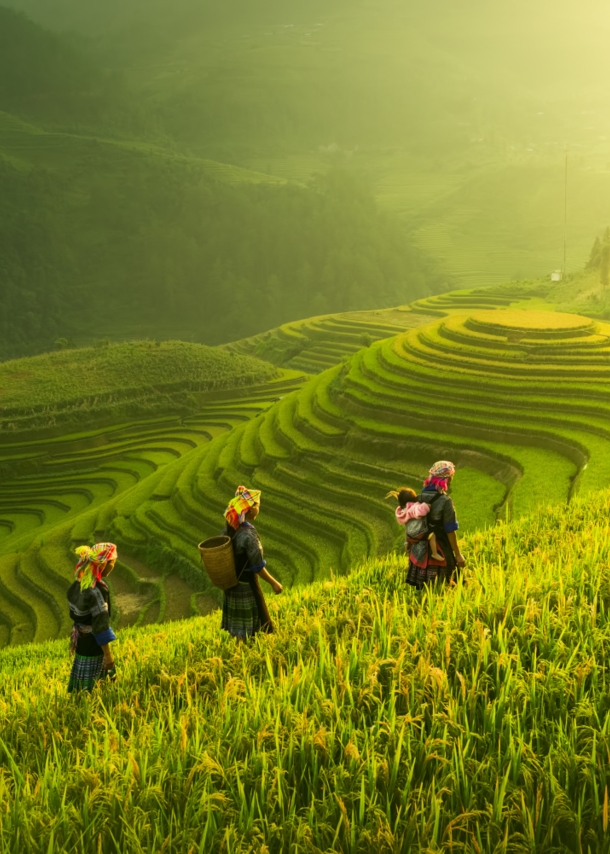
85, 429
507, 223
157, 486
68, 378
375, 718
29, 145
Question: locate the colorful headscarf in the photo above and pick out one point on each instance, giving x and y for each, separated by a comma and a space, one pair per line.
440, 474
92, 560
239, 506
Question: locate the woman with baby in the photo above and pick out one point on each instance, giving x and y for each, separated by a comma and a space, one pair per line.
430, 528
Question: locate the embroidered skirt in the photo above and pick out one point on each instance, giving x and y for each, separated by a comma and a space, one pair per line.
244, 612
86, 671
423, 569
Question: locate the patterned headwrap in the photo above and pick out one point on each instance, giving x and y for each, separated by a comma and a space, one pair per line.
239, 506
91, 562
440, 474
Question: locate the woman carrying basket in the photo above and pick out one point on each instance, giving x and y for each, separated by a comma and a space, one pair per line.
244, 611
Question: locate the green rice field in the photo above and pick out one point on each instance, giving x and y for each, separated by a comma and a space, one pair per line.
375, 718
333, 413
87, 385
522, 411
59, 489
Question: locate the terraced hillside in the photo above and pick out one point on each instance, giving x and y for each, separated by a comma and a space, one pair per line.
315, 344
60, 488
531, 295
318, 343
519, 399
523, 394
89, 385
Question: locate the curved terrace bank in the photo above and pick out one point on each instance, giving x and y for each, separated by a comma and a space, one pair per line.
519, 399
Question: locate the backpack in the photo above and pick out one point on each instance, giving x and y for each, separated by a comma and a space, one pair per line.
419, 529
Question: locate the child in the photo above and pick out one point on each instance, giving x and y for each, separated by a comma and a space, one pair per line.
412, 514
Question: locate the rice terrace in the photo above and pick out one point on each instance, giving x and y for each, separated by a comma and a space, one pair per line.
304, 427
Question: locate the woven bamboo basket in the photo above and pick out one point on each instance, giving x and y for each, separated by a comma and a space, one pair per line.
217, 556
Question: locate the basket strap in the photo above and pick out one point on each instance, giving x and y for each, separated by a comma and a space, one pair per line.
244, 568
247, 562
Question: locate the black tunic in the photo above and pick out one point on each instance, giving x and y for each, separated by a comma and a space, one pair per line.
91, 607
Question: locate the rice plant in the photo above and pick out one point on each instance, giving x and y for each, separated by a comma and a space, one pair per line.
376, 718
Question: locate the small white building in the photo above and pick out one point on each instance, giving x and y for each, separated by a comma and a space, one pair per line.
557, 276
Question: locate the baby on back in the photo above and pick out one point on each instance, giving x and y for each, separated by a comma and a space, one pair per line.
412, 513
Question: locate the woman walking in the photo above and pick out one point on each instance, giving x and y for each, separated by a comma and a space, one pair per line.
244, 610
442, 521
89, 600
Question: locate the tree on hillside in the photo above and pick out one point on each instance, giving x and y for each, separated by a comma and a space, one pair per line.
604, 265
604, 259
595, 256
599, 258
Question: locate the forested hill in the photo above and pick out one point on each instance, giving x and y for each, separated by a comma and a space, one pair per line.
431, 76
160, 160
121, 243
234, 77
43, 77
104, 235
456, 113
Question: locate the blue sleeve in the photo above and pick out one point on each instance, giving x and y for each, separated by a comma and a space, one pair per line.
258, 567
107, 636
254, 551
450, 522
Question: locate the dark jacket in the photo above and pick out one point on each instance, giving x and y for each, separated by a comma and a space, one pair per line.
247, 549
91, 607
442, 521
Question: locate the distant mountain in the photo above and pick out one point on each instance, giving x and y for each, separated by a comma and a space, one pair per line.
182, 177
104, 235
45, 78
235, 76
430, 77
111, 239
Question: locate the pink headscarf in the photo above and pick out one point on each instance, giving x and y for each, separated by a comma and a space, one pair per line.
440, 474
92, 560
